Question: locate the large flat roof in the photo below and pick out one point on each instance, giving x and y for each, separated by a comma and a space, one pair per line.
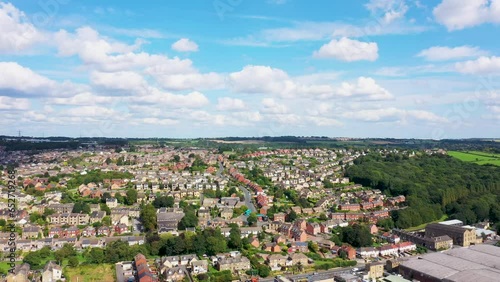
476, 263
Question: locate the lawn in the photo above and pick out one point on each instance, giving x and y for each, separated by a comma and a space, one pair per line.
480, 158
5, 266
90, 273
423, 225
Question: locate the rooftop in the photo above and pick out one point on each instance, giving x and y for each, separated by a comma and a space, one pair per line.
477, 263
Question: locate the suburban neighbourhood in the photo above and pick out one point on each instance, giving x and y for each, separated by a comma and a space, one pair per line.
276, 213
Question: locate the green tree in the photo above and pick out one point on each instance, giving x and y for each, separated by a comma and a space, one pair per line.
148, 217
189, 220
73, 261
96, 256
33, 259
292, 216
235, 237
176, 158
131, 197
264, 270
252, 219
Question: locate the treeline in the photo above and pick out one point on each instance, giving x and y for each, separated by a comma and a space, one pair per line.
434, 185
33, 146
97, 176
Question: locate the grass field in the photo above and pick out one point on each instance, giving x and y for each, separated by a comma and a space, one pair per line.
90, 273
422, 226
480, 158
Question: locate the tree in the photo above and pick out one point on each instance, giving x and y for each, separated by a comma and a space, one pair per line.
357, 235
252, 219
73, 261
81, 207
148, 217
164, 201
323, 217
292, 216
235, 237
264, 270
177, 158
96, 256
3, 222
190, 219
106, 209
33, 259
131, 197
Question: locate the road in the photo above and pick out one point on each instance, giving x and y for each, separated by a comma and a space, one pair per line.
320, 275
221, 169
248, 199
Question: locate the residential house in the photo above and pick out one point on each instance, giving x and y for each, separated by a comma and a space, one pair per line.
51, 272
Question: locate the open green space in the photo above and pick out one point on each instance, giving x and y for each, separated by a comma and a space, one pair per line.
423, 225
87, 273
477, 157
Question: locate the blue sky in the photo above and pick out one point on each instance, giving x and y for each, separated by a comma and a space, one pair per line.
361, 68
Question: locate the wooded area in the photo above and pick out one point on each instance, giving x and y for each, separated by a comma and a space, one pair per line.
434, 185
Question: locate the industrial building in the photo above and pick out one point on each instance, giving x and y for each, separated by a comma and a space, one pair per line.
479, 263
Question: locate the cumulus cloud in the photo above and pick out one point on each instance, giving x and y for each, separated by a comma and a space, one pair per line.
230, 104
348, 50
460, 14
391, 10
270, 106
365, 88
9, 103
267, 80
18, 78
185, 45
261, 79
443, 53
158, 97
16, 32
482, 65
191, 81
392, 114
81, 99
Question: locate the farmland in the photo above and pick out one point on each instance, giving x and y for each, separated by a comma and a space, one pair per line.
480, 158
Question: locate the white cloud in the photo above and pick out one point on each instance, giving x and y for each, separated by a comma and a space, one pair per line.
82, 99
365, 88
185, 45
392, 114
230, 104
8, 103
391, 10
16, 32
248, 116
482, 65
443, 53
191, 81
314, 31
348, 50
460, 14
158, 97
261, 79
157, 121
267, 80
121, 80
18, 78
272, 107
324, 121
107, 55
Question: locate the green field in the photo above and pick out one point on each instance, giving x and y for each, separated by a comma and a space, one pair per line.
90, 273
480, 158
423, 225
